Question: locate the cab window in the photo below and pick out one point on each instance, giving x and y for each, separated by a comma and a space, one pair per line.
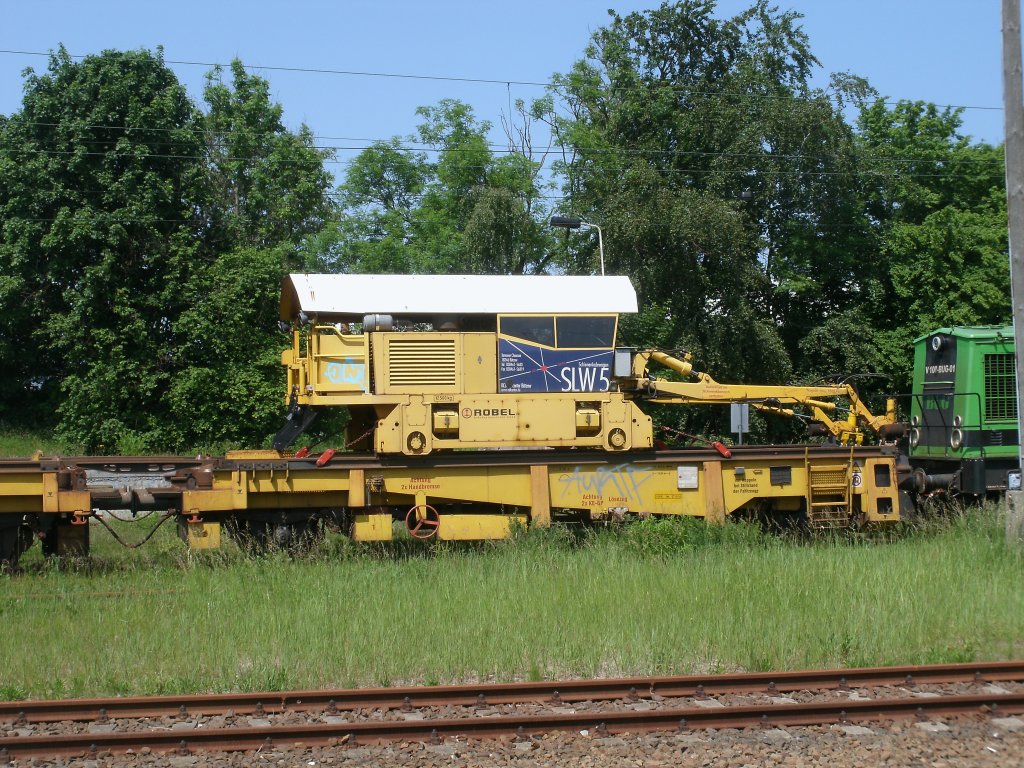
539, 329
583, 332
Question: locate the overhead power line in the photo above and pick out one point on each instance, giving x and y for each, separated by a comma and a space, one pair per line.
318, 70
619, 169
481, 80
496, 148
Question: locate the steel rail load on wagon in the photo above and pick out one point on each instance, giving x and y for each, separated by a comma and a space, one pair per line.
441, 374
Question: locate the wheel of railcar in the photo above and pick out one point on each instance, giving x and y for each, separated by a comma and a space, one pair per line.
261, 535
298, 536
422, 521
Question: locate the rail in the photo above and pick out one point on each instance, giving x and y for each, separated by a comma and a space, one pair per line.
603, 723
402, 698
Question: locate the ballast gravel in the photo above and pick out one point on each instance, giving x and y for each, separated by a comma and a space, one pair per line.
947, 743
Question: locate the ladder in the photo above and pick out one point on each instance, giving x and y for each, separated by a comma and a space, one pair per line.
828, 495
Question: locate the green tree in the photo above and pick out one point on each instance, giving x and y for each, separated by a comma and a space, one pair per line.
270, 200
935, 252
454, 206
674, 116
381, 192
140, 245
228, 391
268, 184
102, 168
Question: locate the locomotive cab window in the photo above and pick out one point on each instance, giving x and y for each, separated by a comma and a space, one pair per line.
538, 329
585, 331
561, 331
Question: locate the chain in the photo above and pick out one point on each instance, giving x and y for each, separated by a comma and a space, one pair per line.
355, 440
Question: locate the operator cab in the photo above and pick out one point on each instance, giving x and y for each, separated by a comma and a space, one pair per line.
512, 349
537, 333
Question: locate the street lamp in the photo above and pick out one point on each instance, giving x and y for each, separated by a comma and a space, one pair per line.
566, 223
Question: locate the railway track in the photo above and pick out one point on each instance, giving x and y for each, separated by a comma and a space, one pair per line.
328, 718
565, 691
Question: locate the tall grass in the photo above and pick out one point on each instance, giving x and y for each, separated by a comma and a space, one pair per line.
16, 443
654, 598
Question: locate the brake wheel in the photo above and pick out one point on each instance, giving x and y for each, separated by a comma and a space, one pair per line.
422, 521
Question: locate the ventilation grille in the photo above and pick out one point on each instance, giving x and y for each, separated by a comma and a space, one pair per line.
993, 437
1000, 388
421, 362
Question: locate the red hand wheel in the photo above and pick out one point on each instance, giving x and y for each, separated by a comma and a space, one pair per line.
422, 521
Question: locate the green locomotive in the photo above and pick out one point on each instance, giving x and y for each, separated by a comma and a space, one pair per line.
963, 412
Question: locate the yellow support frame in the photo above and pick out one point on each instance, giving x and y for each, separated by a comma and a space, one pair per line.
532, 494
485, 496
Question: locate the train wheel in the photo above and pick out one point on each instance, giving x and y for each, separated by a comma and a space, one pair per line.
422, 521
297, 536
262, 536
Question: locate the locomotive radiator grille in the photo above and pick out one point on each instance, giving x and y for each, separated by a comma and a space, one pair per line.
1000, 387
422, 362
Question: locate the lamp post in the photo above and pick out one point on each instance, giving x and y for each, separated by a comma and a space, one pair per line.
566, 223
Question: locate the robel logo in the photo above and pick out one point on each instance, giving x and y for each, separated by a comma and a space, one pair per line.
468, 413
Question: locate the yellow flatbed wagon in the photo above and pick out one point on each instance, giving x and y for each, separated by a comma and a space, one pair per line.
460, 496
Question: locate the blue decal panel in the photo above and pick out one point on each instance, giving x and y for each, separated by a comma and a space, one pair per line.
348, 371
525, 367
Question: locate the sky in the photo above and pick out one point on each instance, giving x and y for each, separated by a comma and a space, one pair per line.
943, 51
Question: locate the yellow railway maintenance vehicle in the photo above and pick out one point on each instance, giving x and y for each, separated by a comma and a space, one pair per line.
454, 362
478, 404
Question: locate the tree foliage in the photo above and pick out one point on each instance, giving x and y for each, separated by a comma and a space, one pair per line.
268, 184
456, 205
935, 251
100, 187
233, 348
675, 116
764, 226
123, 209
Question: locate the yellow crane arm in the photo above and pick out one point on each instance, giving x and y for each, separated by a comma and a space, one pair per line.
767, 398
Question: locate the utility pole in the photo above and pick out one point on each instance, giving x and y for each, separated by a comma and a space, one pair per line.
1013, 103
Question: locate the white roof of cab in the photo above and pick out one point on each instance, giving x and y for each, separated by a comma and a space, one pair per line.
353, 296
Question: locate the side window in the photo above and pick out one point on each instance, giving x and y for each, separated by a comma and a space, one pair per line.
539, 330
582, 332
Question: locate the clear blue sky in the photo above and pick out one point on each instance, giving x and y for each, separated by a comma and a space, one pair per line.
945, 51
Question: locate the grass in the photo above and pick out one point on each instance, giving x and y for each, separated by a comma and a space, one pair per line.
670, 597
17, 443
